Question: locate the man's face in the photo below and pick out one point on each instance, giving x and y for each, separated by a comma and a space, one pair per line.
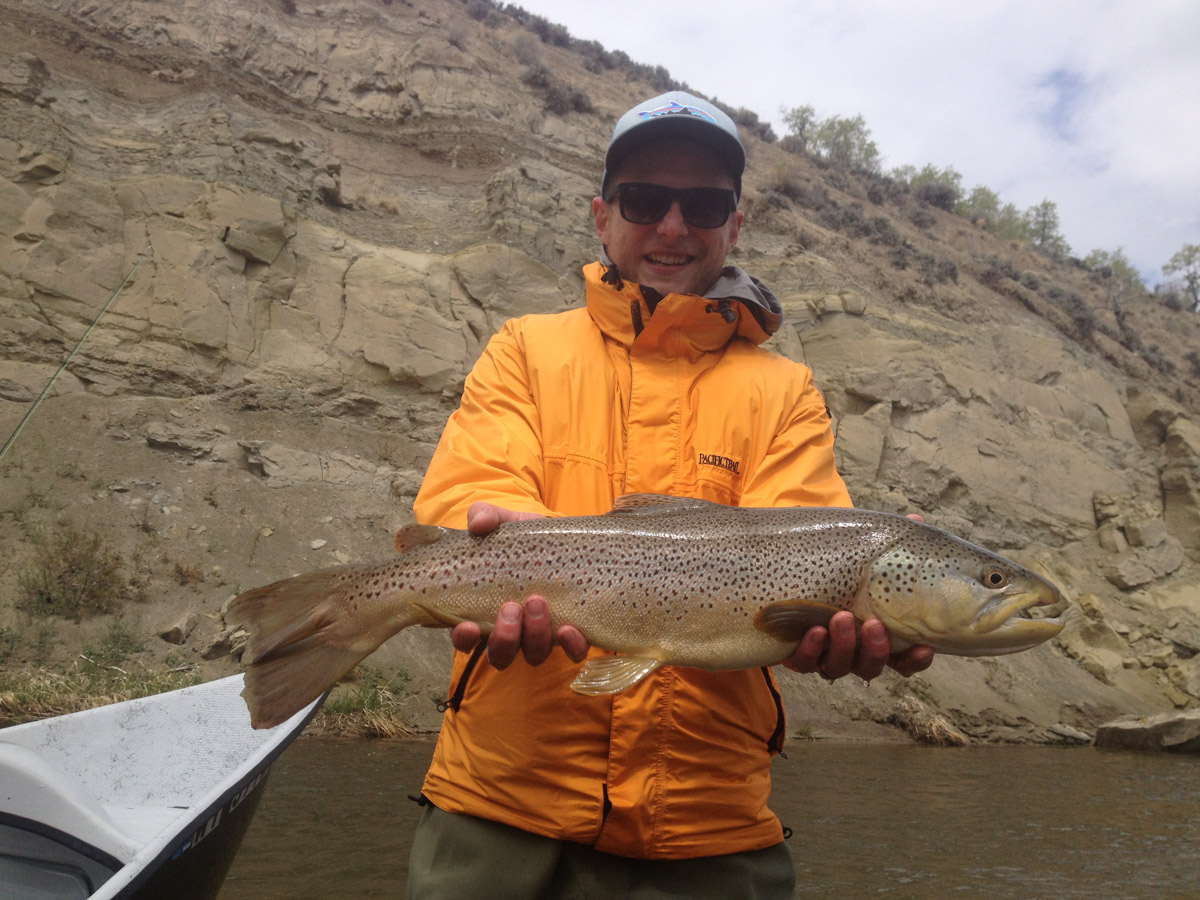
669, 255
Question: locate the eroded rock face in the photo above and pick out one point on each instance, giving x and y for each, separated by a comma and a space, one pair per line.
323, 217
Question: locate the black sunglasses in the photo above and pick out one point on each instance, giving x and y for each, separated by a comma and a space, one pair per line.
643, 203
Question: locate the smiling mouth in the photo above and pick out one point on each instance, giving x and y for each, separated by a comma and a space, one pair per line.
667, 260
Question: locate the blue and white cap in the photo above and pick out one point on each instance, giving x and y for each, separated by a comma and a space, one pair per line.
676, 114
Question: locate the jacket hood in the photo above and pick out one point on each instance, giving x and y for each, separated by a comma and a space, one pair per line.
737, 284
734, 285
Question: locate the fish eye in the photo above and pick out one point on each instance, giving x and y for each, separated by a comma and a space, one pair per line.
994, 578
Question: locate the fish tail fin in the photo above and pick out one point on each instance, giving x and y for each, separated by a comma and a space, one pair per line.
303, 637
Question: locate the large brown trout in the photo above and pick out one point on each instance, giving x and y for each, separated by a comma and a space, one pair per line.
659, 581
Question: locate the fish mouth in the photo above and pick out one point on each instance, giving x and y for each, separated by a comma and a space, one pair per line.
1010, 623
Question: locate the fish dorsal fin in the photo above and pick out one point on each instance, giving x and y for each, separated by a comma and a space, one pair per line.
609, 674
789, 620
412, 535
656, 504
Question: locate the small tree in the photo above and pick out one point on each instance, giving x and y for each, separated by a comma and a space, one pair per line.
846, 143
1042, 224
1186, 262
937, 187
981, 206
801, 122
1011, 224
839, 141
1115, 265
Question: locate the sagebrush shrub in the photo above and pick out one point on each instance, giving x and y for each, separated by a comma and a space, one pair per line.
72, 573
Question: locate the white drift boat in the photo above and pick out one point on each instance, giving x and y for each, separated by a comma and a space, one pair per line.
146, 798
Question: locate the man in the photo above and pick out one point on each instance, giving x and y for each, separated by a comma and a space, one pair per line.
657, 385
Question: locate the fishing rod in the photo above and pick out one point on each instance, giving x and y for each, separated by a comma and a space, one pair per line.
12, 438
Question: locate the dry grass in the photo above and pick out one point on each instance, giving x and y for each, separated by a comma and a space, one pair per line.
26, 696
363, 723
371, 708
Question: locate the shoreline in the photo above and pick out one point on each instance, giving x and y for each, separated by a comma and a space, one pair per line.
374, 708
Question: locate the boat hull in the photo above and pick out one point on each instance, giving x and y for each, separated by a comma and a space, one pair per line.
72, 826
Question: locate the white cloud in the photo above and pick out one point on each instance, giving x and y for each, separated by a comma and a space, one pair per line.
1094, 104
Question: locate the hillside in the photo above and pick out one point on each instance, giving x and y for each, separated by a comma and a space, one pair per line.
328, 208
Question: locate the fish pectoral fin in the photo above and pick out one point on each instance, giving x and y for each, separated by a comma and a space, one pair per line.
412, 535
790, 620
610, 674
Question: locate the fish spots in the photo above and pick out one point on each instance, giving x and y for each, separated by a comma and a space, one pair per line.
716, 565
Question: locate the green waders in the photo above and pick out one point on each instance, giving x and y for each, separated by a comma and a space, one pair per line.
457, 857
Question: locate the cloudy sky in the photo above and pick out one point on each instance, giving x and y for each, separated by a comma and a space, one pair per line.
1093, 104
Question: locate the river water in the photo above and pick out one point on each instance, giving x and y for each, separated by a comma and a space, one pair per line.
868, 820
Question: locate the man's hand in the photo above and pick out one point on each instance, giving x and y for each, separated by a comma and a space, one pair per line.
525, 628
837, 651
520, 628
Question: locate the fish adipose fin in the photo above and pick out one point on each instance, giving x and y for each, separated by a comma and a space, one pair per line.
413, 535
790, 620
610, 674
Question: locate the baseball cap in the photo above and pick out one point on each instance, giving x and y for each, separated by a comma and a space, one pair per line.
676, 114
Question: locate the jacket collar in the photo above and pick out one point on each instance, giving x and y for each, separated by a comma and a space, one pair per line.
737, 304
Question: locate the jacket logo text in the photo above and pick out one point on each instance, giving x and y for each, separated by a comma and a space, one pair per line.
721, 462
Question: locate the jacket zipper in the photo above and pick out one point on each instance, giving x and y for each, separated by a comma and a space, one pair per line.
625, 424
775, 742
454, 701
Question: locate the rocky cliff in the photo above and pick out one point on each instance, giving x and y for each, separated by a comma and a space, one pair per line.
327, 209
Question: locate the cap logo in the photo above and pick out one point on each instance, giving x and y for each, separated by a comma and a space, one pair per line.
674, 108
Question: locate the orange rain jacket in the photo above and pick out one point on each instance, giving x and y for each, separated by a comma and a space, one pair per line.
561, 414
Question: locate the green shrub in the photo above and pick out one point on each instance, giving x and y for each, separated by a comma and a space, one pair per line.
947, 270
550, 32
788, 181
933, 270
1193, 358
937, 193
484, 11
884, 188
526, 50
1155, 357
999, 269
1083, 317
562, 99
118, 642
749, 120
538, 76
73, 574
8, 643
922, 218
846, 219
880, 230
